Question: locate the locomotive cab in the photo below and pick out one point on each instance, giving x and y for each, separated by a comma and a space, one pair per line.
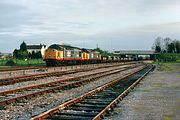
52, 54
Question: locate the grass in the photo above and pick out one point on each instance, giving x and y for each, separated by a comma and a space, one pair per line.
30, 62
168, 117
168, 57
158, 62
168, 62
165, 67
168, 66
161, 85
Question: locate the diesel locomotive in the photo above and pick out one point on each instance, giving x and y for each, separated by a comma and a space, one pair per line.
57, 55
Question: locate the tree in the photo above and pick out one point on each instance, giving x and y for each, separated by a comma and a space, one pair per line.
23, 46
103, 52
158, 44
166, 42
33, 55
38, 55
177, 46
15, 53
171, 48
158, 49
22, 54
166, 45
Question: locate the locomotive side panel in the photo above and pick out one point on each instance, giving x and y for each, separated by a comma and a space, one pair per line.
85, 56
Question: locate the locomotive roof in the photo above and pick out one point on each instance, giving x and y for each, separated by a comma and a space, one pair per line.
55, 46
85, 50
69, 47
61, 47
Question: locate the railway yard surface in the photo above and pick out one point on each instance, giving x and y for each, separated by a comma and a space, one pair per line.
157, 97
91, 91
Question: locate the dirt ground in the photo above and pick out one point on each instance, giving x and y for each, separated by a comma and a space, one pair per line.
157, 97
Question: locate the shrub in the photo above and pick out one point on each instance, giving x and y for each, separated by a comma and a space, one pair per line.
10, 63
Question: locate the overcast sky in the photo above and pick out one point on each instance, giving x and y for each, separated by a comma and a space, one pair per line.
112, 24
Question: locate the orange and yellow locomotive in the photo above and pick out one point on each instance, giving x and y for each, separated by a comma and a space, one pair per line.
57, 55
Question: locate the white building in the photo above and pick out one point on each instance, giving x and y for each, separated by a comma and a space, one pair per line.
37, 48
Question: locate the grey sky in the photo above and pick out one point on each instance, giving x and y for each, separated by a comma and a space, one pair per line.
112, 24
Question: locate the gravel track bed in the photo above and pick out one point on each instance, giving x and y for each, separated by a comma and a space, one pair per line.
51, 79
29, 108
43, 88
9, 74
156, 97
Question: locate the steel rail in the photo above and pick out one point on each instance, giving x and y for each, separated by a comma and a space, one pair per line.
7, 81
20, 68
16, 68
82, 97
114, 103
55, 82
27, 96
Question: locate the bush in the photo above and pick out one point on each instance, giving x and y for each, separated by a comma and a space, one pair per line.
10, 63
168, 57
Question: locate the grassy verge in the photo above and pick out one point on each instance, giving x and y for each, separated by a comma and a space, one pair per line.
168, 62
168, 66
30, 62
168, 57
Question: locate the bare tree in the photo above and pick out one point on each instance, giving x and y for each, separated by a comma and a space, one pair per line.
167, 41
158, 44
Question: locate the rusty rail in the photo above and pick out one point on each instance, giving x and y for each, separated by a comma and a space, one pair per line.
6, 81
114, 103
11, 100
20, 68
54, 82
82, 97
15, 68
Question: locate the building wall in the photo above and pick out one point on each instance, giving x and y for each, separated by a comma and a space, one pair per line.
43, 50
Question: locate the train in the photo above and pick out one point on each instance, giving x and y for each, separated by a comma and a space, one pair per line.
58, 55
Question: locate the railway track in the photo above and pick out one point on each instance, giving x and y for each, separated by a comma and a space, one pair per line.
7, 97
19, 68
95, 104
7, 81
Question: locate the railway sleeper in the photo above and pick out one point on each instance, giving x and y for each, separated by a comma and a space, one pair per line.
65, 117
101, 94
104, 97
89, 106
77, 113
87, 109
99, 99
95, 102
